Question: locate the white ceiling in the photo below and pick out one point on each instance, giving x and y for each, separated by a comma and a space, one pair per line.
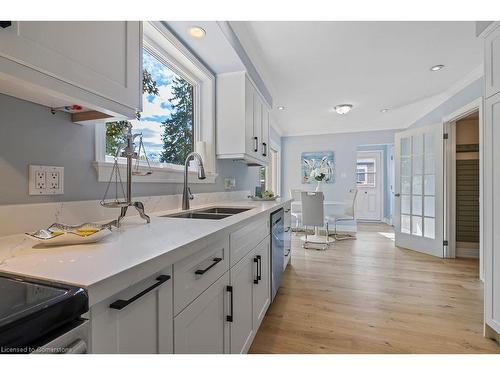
309, 67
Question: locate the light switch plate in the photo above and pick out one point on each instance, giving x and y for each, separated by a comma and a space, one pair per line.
46, 180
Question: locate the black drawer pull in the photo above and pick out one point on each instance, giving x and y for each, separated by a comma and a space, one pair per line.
259, 275
287, 229
201, 272
229, 289
287, 210
255, 144
121, 303
264, 146
256, 261
288, 253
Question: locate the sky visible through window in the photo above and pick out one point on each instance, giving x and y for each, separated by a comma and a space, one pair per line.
156, 108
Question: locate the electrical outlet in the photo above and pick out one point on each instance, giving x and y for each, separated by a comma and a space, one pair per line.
53, 180
40, 181
45, 180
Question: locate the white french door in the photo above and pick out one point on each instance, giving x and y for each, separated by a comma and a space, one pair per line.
419, 213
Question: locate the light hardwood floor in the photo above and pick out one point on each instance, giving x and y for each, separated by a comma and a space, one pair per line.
367, 296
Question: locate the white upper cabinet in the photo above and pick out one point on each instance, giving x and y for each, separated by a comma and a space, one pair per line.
492, 61
97, 65
242, 120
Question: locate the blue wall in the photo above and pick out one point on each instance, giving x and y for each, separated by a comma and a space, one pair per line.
344, 145
30, 134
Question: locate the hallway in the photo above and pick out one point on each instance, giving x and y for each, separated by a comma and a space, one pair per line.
366, 296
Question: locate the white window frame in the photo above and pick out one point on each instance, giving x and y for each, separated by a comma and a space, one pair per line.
164, 46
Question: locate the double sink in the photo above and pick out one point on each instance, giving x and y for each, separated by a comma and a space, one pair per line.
212, 213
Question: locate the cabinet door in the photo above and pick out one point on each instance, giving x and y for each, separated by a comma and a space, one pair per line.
202, 327
265, 151
251, 142
257, 124
143, 326
100, 57
492, 211
492, 62
242, 277
262, 287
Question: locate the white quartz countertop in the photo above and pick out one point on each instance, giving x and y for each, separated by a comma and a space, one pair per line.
131, 253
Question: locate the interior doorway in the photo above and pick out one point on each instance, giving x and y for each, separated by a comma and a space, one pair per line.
463, 176
369, 182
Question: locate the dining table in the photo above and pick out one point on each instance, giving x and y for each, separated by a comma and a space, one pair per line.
331, 208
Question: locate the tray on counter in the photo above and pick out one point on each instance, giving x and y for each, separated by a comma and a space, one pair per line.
60, 234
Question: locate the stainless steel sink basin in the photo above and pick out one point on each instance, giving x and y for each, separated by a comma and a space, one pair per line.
212, 213
224, 210
198, 215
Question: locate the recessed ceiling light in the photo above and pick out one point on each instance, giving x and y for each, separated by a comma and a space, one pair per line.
197, 32
281, 108
435, 68
384, 110
343, 109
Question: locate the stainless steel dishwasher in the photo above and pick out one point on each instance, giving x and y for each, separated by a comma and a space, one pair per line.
277, 250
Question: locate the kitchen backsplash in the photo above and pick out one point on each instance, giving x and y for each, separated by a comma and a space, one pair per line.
19, 218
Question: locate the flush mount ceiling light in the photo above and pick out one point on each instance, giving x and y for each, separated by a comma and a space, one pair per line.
197, 32
436, 68
343, 109
281, 108
384, 110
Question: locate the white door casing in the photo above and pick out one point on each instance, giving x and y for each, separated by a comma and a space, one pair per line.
419, 210
369, 202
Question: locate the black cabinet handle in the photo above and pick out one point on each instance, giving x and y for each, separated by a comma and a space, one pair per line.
397, 195
287, 210
256, 144
289, 251
287, 229
264, 149
259, 274
256, 261
201, 272
229, 317
120, 303
5, 24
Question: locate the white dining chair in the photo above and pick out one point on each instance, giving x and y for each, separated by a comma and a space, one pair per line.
296, 209
347, 215
313, 215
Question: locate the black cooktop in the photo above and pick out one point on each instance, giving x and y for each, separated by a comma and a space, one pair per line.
30, 309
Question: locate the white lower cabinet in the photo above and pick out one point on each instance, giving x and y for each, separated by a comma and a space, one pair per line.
243, 275
218, 309
202, 326
136, 320
262, 287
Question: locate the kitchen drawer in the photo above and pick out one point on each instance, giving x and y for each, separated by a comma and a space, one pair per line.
196, 273
247, 238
